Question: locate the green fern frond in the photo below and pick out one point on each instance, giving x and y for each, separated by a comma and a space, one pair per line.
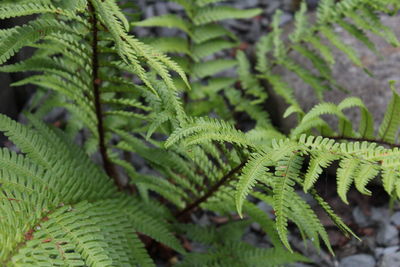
345, 176
391, 121
365, 174
206, 128
288, 169
349, 51
255, 168
301, 24
204, 69
366, 127
168, 20
171, 45
210, 31
207, 2
21, 36
217, 13
18, 10
210, 47
318, 162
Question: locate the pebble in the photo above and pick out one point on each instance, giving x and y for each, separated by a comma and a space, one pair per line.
358, 260
387, 235
360, 218
174, 6
285, 18
390, 260
299, 264
247, 4
204, 220
266, 208
395, 219
379, 215
251, 239
161, 8
272, 6
379, 252
149, 12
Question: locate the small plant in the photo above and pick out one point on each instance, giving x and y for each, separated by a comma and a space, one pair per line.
139, 109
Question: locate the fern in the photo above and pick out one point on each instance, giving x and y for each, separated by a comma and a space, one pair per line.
391, 122
207, 39
65, 221
166, 133
359, 163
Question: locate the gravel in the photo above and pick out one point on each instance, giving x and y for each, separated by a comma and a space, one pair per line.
390, 260
359, 260
395, 219
387, 235
360, 218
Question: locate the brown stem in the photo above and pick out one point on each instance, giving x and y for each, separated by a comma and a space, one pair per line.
209, 193
108, 166
381, 142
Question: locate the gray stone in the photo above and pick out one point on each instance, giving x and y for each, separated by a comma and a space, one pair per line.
251, 239
247, 3
272, 6
360, 218
286, 18
385, 251
149, 12
395, 218
307, 197
387, 235
312, 3
379, 215
390, 260
299, 264
204, 220
161, 8
266, 208
174, 6
306, 248
358, 260
256, 226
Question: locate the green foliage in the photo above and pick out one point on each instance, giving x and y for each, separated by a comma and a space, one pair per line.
359, 162
205, 38
229, 236
166, 133
58, 204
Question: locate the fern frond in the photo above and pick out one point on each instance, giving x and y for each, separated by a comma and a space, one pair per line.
204, 69
301, 24
207, 128
255, 168
391, 121
210, 47
365, 174
18, 10
168, 20
217, 13
21, 36
288, 169
345, 176
171, 45
349, 51
207, 2
366, 127
210, 31
318, 162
